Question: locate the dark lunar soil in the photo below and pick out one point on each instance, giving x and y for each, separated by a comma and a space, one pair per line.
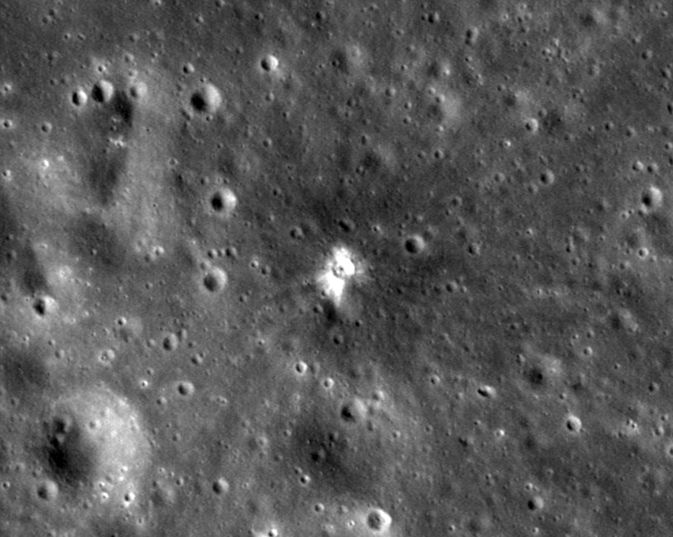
336, 268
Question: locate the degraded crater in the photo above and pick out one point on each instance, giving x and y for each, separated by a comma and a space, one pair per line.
95, 238
332, 457
72, 455
94, 440
348, 446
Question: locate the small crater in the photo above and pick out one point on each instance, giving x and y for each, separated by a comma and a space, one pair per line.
138, 90
102, 91
79, 98
536, 503
215, 280
532, 125
206, 99
471, 36
269, 63
651, 199
547, 177
47, 490
353, 411
378, 520
415, 244
300, 367
486, 391
573, 424
44, 305
186, 388
171, 342
107, 356
221, 486
224, 202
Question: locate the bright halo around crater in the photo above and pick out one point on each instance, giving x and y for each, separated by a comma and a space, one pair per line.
341, 267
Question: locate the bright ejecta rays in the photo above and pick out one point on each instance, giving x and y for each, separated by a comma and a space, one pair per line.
340, 268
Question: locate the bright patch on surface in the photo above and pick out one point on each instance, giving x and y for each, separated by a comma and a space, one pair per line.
340, 268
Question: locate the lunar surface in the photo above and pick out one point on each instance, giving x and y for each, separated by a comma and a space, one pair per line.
336, 268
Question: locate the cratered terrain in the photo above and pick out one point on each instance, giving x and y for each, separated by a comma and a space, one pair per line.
336, 268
